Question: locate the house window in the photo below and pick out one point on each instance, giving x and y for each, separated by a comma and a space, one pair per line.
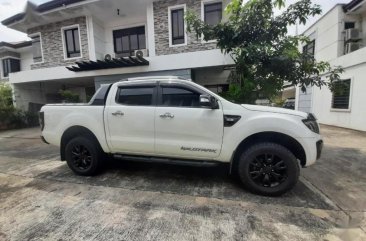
341, 94
72, 42
177, 26
126, 41
10, 66
309, 49
37, 49
348, 25
213, 13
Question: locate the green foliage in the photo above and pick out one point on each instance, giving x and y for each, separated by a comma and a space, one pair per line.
265, 55
69, 96
11, 117
6, 100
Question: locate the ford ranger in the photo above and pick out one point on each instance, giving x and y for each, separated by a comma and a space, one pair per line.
169, 119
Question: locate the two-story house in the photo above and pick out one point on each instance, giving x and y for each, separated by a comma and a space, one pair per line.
339, 37
80, 44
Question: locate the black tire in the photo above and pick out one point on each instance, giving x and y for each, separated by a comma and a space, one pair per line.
83, 156
268, 169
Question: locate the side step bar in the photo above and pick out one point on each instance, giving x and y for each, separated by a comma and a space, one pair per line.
183, 162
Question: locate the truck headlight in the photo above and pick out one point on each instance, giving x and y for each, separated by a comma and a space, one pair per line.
311, 123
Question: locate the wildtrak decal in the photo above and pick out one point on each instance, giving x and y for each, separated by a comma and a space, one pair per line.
183, 148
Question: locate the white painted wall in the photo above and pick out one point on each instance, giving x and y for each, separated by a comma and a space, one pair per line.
26, 60
329, 42
199, 59
99, 39
121, 24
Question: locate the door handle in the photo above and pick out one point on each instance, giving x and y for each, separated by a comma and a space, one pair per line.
120, 113
167, 115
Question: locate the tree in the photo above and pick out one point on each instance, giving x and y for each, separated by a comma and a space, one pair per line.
265, 56
6, 100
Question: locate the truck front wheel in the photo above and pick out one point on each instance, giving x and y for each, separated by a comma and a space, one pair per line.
268, 169
83, 156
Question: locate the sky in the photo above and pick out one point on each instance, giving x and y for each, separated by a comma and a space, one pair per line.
9, 8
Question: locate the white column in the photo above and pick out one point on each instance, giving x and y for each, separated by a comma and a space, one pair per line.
150, 33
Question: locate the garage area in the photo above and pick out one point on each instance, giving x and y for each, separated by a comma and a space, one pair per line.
41, 199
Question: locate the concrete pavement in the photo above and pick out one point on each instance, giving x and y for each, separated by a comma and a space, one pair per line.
41, 199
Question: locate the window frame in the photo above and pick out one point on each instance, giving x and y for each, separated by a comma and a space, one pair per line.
2, 66
170, 9
182, 86
39, 34
125, 28
64, 42
144, 85
349, 99
306, 47
208, 2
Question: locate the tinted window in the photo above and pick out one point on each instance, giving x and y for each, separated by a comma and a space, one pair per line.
176, 96
126, 41
348, 25
177, 21
213, 13
341, 94
10, 66
72, 43
135, 95
36, 49
309, 49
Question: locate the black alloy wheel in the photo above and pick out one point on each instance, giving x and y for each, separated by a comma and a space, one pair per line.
81, 157
268, 169
84, 156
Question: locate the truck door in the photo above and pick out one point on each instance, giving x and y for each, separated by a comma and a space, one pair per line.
183, 128
129, 118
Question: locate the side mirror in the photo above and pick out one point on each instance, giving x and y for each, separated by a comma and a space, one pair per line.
208, 101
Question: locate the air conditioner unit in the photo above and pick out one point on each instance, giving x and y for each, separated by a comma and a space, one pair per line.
350, 47
353, 34
141, 53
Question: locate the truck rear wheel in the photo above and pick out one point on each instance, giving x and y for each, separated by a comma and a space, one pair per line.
83, 156
268, 169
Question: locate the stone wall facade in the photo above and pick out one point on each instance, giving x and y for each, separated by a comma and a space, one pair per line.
161, 28
52, 45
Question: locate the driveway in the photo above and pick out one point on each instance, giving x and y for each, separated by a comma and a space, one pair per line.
40, 199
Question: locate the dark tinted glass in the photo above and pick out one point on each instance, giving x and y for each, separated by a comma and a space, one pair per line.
341, 94
126, 41
309, 48
213, 13
10, 66
100, 95
176, 96
348, 25
72, 43
135, 95
36, 49
177, 19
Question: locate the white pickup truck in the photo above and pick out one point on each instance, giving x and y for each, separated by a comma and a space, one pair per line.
169, 119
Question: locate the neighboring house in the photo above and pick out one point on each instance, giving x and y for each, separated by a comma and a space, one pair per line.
10, 55
87, 35
339, 37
